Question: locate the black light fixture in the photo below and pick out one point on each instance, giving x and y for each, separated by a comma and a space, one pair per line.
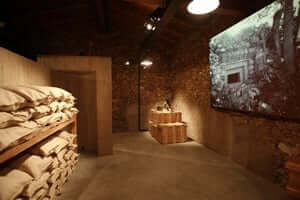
154, 19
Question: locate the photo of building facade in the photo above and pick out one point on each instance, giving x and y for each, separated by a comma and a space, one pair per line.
253, 63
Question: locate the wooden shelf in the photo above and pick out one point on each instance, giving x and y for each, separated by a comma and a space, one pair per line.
36, 137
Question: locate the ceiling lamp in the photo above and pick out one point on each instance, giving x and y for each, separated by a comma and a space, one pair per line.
146, 63
200, 7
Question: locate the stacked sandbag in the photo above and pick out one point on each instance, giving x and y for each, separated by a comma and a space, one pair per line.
26, 178
42, 171
13, 128
25, 109
61, 148
67, 159
12, 183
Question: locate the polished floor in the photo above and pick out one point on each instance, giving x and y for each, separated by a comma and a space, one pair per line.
142, 169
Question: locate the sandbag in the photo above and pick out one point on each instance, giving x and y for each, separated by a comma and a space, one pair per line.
40, 194
47, 147
55, 174
12, 136
24, 114
33, 165
35, 185
41, 111
67, 136
7, 120
10, 101
13, 184
49, 119
29, 94
52, 191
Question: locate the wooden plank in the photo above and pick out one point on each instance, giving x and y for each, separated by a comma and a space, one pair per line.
39, 135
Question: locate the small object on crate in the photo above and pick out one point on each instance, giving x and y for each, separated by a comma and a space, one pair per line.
167, 127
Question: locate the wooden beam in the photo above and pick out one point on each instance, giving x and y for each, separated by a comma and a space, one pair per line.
101, 14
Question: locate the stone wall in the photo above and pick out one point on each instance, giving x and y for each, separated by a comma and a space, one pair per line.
250, 141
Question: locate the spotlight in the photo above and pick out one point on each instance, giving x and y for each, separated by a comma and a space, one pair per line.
199, 7
153, 20
149, 26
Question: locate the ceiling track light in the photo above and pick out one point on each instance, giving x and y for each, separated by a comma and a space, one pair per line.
200, 7
153, 20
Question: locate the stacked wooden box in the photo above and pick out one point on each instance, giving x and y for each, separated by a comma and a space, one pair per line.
167, 127
293, 186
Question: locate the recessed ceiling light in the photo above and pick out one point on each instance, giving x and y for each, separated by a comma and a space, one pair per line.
200, 7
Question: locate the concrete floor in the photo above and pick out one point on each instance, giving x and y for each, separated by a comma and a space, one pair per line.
142, 169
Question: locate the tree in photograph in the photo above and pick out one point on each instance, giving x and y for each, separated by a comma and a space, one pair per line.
274, 44
289, 37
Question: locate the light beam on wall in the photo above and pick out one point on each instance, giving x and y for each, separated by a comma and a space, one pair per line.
200, 7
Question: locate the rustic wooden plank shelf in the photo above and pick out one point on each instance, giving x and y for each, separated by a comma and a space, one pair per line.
36, 137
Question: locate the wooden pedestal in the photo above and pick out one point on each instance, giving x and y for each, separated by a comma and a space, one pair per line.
165, 117
170, 133
167, 127
293, 187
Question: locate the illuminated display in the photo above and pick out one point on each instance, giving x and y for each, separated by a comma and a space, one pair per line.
254, 65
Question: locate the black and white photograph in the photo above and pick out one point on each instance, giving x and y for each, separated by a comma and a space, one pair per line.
253, 63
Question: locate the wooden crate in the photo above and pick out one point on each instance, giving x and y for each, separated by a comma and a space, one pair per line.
169, 133
165, 117
293, 187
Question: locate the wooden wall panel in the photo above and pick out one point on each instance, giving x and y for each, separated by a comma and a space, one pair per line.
102, 67
83, 87
18, 70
